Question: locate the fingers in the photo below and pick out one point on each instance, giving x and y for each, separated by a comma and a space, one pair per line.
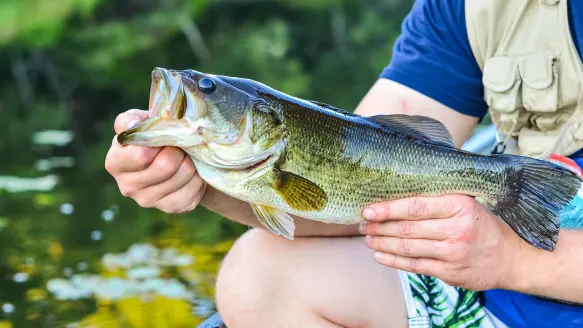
430, 267
417, 208
128, 119
153, 195
122, 159
165, 165
184, 199
421, 229
161, 177
420, 248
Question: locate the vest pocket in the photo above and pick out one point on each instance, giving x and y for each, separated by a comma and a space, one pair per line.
502, 92
502, 83
540, 90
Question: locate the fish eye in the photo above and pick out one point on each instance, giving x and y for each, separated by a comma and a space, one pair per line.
207, 85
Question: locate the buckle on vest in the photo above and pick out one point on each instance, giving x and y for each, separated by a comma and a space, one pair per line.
499, 148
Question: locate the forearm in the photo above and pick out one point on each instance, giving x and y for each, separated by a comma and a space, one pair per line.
241, 212
557, 274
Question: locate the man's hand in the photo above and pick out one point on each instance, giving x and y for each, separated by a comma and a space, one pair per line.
163, 177
452, 237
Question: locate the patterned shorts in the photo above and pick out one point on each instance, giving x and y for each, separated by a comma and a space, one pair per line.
432, 303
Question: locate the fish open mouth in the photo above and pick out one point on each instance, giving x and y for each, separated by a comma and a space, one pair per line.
178, 118
167, 96
174, 115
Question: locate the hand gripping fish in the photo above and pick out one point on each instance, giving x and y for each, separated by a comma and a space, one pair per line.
284, 155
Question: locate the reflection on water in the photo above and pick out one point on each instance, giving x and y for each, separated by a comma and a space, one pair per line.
142, 274
139, 273
52, 137
54, 162
17, 184
75, 253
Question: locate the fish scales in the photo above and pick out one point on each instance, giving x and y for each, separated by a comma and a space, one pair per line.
356, 164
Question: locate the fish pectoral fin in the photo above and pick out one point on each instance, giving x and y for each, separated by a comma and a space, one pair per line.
275, 220
416, 126
299, 193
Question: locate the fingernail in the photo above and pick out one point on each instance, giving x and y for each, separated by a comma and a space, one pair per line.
369, 214
362, 227
132, 123
379, 256
368, 241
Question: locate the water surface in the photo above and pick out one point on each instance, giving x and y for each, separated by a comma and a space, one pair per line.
75, 253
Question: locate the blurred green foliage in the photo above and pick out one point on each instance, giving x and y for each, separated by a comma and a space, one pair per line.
73, 65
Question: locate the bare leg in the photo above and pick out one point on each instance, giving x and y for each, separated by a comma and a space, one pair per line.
269, 281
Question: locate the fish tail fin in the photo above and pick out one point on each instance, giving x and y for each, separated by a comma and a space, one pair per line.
536, 192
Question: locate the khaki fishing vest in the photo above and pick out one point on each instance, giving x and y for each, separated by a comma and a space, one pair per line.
531, 73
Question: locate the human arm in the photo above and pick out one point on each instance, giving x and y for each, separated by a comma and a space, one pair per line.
390, 97
555, 275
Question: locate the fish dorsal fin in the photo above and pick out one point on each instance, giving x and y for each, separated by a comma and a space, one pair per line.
416, 126
275, 220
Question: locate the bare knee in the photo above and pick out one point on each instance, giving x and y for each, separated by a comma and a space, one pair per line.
246, 284
269, 281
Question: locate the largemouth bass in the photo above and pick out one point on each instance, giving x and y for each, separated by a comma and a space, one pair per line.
288, 156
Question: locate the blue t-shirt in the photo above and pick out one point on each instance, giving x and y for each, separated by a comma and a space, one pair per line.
433, 56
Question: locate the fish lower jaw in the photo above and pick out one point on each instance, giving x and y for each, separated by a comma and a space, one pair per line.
268, 162
244, 162
258, 164
237, 174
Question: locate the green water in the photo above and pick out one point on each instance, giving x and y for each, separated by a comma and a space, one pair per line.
74, 252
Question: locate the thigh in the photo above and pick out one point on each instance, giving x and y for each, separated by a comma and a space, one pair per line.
326, 281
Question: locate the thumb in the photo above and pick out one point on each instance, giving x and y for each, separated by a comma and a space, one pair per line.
128, 119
